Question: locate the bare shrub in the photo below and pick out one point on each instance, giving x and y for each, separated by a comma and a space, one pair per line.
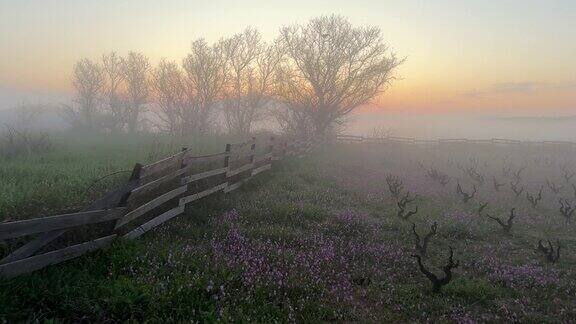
481, 208
395, 185
518, 174
17, 142
403, 205
567, 210
567, 173
553, 187
438, 283
534, 199
507, 225
517, 190
422, 243
466, 196
438, 176
474, 174
551, 254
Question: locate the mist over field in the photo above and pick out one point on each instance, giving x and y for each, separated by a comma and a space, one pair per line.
420, 126
560, 127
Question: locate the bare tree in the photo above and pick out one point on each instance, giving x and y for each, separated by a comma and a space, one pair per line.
250, 70
114, 102
88, 82
241, 51
293, 120
332, 67
169, 94
136, 68
205, 79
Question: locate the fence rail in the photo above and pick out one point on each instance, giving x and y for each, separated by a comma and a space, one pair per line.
154, 194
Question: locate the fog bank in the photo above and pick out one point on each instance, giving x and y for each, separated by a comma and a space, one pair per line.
473, 126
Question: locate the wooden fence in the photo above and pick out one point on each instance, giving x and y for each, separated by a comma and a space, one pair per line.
154, 194
453, 141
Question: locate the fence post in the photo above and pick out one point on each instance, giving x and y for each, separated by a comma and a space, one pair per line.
285, 150
271, 149
227, 155
134, 177
252, 151
282, 150
184, 150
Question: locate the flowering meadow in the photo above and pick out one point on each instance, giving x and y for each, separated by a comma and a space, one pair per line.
324, 238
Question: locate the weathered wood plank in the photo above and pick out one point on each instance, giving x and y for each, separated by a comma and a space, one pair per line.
52, 223
187, 159
504, 141
234, 186
150, 169
453, 140
31, 247
132, 215
239, 170
138, 231
243, 145
149, 186
30, 264
349, 137
202, 194
262, 157
111, 199
203, 175
261, 169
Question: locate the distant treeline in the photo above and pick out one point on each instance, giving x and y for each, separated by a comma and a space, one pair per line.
306, 80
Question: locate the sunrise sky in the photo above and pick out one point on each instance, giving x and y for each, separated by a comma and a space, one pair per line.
472, 56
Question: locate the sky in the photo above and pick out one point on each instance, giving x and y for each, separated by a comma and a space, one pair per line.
486, 56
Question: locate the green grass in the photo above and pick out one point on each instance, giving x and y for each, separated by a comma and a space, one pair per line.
316, 239
70, 176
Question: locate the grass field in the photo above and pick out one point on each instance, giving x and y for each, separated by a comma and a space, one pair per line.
318, 239
80, 169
